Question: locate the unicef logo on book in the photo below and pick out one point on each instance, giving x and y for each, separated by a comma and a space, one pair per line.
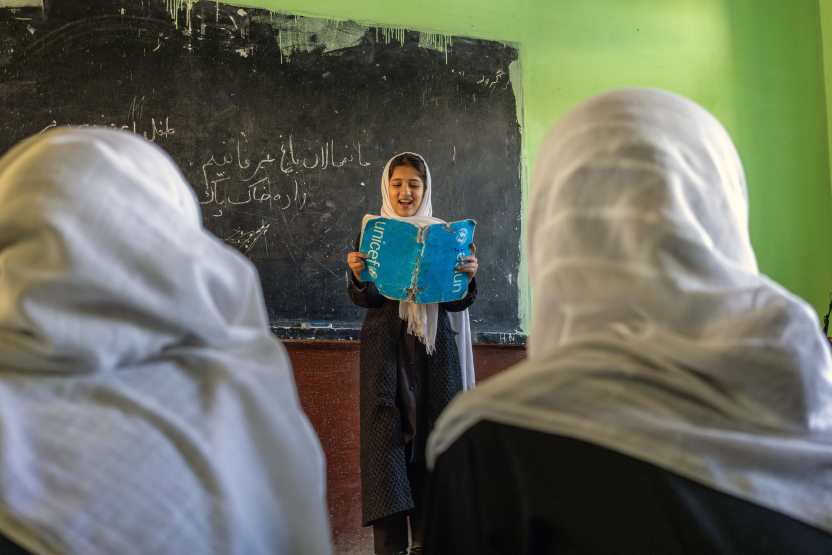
461, 236
376, 236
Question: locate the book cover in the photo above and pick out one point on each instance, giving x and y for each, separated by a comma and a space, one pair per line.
416, 262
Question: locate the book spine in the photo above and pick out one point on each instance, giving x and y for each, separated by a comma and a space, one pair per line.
414, 283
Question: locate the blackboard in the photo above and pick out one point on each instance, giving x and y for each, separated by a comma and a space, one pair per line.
282, 124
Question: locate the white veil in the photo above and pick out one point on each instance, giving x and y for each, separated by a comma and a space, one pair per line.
653, 332
145, 406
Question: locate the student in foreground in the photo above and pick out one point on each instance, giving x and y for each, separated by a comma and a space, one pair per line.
674, 399
145, 406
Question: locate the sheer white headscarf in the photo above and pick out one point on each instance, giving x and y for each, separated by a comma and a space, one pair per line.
145, 406
653, 332
421, 318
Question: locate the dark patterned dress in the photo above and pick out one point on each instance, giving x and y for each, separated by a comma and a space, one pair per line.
403, 391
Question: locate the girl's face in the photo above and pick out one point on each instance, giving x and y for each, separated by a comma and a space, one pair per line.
405, 188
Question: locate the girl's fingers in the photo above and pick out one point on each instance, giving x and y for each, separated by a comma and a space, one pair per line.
356, 258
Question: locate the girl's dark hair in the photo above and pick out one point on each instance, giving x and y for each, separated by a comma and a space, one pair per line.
411, 160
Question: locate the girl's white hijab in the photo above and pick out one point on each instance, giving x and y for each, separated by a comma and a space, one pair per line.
653, 332
421, 318
145, 406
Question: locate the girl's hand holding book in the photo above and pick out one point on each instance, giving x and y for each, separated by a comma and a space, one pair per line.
469, 264
355, 260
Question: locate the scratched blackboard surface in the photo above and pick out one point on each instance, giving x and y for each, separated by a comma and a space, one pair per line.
282, 124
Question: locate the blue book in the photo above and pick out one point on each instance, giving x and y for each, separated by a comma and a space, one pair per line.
416, 262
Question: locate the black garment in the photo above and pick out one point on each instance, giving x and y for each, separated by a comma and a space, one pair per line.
387, 413
502, 489
8, 547
390, 534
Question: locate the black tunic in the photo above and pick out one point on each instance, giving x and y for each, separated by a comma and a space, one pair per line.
403, 391
500, 489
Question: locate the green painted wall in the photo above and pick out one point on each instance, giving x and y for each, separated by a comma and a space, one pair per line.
781, 133
756, 64
826, 27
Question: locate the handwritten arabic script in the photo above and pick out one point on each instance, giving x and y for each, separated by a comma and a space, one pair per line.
158, 130
245, 240
234, 178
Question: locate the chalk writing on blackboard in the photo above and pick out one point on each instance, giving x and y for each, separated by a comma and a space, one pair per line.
245, 240
159, 129
239, 176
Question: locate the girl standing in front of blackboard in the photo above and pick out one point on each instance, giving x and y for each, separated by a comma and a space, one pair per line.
414, 360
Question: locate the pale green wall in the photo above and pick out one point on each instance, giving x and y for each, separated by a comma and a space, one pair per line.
756, 64
826, 27
780, 130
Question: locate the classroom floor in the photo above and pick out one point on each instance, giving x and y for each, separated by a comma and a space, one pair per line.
360, 543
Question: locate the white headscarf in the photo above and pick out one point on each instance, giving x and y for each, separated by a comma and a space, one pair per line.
421, 318
652, 331
145, 407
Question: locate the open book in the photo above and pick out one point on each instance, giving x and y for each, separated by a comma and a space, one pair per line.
416, 262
